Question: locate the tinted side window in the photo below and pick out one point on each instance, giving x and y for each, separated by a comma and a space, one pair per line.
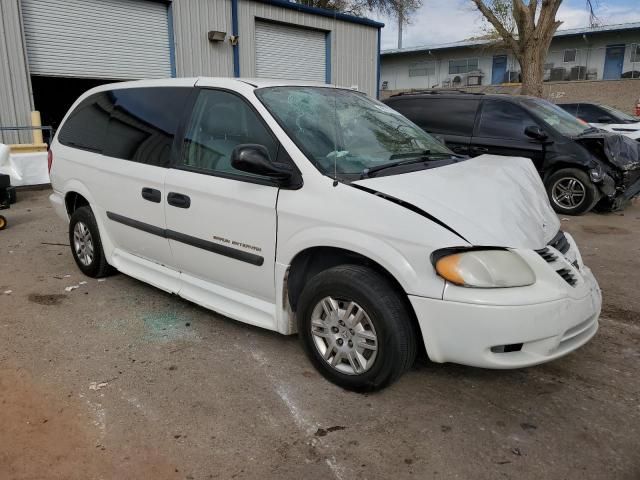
86, 126
591, 113
504, 120
220, 122
571, 108
448, 116
144, 123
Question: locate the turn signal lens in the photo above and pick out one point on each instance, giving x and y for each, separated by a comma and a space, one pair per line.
448, 268
485, 269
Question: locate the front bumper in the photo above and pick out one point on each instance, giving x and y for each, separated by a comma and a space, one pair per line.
471, 327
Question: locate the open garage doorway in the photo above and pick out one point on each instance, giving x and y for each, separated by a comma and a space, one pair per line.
53, 96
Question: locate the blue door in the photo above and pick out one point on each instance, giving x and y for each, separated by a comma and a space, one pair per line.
613, 62
499, 69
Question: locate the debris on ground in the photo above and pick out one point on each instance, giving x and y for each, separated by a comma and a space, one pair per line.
71, 288
322, 432
97, 386
7, 292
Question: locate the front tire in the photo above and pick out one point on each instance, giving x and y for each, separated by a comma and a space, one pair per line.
571, 191
356, 328
86, 245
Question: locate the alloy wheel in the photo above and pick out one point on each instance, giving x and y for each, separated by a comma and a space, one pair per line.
568, 192
83, 243
344, 335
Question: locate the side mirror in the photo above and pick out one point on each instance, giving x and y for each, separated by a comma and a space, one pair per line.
605, 119
253, 158
535, 132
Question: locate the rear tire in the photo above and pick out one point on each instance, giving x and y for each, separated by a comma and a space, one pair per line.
86, 245
356, 328
571, 191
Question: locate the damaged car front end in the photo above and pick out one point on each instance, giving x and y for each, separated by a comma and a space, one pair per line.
616, 172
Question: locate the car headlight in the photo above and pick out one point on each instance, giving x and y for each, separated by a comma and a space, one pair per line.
485, 269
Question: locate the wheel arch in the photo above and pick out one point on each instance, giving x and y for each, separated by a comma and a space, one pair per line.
313, 260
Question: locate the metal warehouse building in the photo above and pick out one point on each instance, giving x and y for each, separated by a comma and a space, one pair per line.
53, 50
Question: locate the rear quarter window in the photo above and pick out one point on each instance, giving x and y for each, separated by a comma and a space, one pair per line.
86, 125
446, 116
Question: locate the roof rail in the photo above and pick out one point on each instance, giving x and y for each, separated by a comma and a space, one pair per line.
437, 91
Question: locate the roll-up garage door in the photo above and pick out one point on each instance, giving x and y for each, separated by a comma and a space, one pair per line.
290, 52
111, 39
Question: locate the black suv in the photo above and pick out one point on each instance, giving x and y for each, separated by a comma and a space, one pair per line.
581, 166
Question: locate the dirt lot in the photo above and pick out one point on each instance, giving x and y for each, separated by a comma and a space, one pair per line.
116, 379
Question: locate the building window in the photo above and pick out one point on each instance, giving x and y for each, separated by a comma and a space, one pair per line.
635, 53
463, 66
570, 55
422, 69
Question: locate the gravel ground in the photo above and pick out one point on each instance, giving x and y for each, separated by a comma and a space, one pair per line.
116, 379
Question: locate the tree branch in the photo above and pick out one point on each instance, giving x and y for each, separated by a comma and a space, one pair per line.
504, 33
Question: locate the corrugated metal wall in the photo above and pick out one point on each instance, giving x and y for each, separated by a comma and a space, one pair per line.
15, 85
195, 54
354, 47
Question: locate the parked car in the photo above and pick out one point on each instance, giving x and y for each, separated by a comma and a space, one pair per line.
605, 118
581, 166
319, 210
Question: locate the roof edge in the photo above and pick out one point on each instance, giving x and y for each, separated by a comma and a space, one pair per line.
323, 12
603, 29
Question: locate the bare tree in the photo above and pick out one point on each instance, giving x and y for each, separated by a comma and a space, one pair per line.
526, 28
400, 10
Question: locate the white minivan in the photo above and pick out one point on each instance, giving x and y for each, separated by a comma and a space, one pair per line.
312, 209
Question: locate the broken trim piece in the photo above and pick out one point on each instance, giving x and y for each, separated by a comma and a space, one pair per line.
409, 206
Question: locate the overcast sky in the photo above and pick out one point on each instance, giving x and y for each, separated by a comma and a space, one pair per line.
436, 23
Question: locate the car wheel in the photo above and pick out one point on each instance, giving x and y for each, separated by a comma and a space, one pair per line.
86, 245
356, 328
3, 222
571, 191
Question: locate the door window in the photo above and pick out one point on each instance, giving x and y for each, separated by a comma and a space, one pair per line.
503, 120
591, 113
220, 122
447, 116
144, 123
571, 108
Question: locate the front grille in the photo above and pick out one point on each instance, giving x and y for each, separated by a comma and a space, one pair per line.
548, 255
568, 276
561, 244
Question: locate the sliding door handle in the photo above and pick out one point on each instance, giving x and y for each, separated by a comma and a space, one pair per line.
151, 194
178, 200
479, 150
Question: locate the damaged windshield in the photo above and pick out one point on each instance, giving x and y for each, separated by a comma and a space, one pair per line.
349, 132
556, 117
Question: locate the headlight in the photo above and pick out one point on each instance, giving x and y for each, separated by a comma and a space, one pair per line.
485, 269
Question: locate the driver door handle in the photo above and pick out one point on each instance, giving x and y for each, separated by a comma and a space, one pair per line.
178, 200
151, 194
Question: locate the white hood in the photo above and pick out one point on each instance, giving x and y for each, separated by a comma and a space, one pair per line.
489, 200
631, 130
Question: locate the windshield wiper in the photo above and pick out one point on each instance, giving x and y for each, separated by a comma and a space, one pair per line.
419, 153
368, 172
589, 130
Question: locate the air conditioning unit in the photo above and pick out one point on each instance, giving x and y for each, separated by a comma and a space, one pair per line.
558, 74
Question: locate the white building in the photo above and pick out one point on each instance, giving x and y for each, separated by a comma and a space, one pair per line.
602, 53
